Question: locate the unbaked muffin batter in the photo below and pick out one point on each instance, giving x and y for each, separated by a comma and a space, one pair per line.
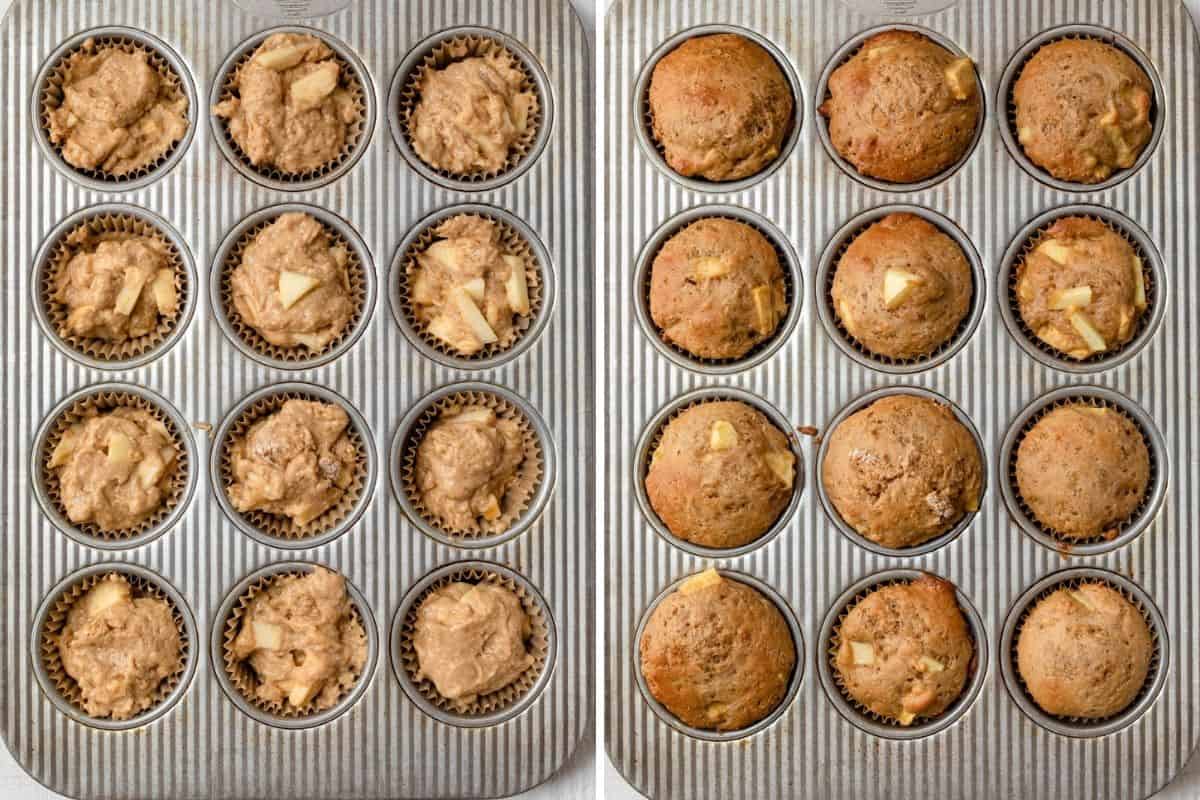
297, 462
471, 640
293, 284
303, 641
115, 468
119, 649
117, 114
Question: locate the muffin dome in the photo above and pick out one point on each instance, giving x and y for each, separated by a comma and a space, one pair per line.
716, 289
717, 653
721, 474
1083, 110
902, 288
1083, 470
902, 471
903, 108
904, 651
1082, 289
1084, 652
721, 107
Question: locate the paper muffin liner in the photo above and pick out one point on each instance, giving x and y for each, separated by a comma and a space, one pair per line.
56, 621
835, 642
53, 94
505, 697
512, 243
789, 295
241, 675
355, 134
1075, 583
111, 226
356, 271
276, 525
457, 48
516, 500
1095, 402
1145, 320
100, 403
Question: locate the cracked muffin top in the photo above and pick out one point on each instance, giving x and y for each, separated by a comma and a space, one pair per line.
293, 107
716, 289
905, 651
1083, 110
903, 108
902, 471
720, 107
117, 114
717, 653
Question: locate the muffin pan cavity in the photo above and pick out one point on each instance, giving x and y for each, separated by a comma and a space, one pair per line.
1156, 490
1070, 726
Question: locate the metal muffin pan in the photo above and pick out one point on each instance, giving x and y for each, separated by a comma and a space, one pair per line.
994, 749
383, 745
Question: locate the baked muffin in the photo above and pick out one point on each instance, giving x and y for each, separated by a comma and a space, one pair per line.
1083, 471
716, 289
120, 649
903, 108
904, 651
720, 107
292, 285
1082, 289
118, 113
302, 640
1083, 110
902, 471
115, 469
468, 288
471, 640
293, 107
717, 653
902, 288
1084, 652
721, 474
296, 463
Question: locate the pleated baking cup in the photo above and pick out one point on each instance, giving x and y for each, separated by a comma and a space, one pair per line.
1008, 124
113, 220
495, 707
279, 531
99, 399
437, 52
353, 76
1130, 529
707, 735
1154, 276
864, 718
655, 152
51, 618
652, 436
360, 270
237, 678
48, 95
527, 495
848, 530
850, 49
517, 238
793, 283
840, 335
1075, 727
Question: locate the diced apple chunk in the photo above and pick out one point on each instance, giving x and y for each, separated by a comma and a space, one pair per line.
960, 77
267, 635
898, 285
1139, 284
722, 436
522, 105
281, 58
107, 594
517, 285
476, 288
163, 289
309, 91
906, 718
845, 313
709, 267
131, 290
310, 340
1075, 297
150, 470
443, 328
472, 316
1111, 117
299, 695
1091, 336
476, 414
862, 653
701, 580
972, 504
783, 464
1080, 598
1056, 251
879, 49
1024, 135
715, 710
930, 665
491, 511
120, 449
293, 286
764, 308
64, 448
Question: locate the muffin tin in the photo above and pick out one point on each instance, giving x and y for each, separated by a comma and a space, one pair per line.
206, 740
989, 747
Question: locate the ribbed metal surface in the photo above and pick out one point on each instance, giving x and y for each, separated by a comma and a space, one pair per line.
385, 746
994, 751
